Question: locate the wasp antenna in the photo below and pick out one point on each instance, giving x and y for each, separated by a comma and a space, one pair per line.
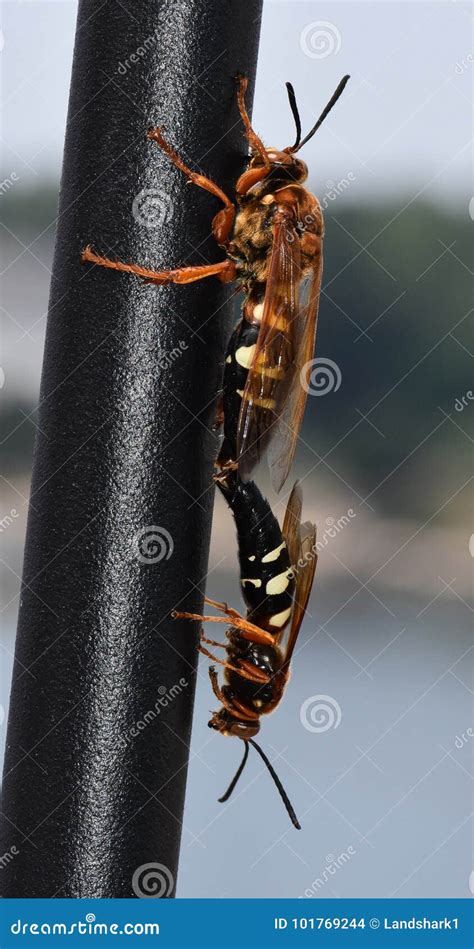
325, 112
281, 789
294, 108
225, 797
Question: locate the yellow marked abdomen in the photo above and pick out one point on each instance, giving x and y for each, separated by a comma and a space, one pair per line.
280, 619
273, 554
244, 355
278, 584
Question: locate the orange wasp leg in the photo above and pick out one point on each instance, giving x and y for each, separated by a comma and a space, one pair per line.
212, 642
246, 669
228, 665
253, 175
246, 713
247, 630
201, 181
223, 221
243, 711
223, 469
224, 270
216, 687
254, 141
258, 675
222, 606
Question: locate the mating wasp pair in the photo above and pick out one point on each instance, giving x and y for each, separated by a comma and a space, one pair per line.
272, 235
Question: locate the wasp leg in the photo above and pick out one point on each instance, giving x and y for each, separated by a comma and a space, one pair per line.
224, 270
246, 713
223, 221
243, 711
222, 471
178, 614
156, 135
253, 633
247, 630
223, 468
227, 665
258, 674
254, 141
212, 642
223, 607
244, 663
216, 687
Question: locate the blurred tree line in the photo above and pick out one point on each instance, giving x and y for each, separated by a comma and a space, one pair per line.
395, 318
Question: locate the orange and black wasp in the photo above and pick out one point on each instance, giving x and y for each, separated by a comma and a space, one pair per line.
277, 567
272, 235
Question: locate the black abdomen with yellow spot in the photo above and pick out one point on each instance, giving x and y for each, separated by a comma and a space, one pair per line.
237, 364
265, 571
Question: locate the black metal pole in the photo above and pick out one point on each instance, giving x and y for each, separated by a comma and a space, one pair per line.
120, 512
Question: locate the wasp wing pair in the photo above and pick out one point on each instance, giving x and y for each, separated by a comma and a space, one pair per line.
278, 375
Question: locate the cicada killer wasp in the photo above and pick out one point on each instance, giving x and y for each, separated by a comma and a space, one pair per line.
277, 567
272, 235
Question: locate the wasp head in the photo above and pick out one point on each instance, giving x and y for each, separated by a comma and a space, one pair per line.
225, 723
281, 164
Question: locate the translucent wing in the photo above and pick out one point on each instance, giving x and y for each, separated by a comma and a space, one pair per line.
292, 523
305, 569
292, 400
270, 377
275, 394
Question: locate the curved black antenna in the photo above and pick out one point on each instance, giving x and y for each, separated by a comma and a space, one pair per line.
296, 115
325, 112
281, 789
225, 797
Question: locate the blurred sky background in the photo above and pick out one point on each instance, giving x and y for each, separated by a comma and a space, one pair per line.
388, 636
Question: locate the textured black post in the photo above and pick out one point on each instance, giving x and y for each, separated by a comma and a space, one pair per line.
96, 767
